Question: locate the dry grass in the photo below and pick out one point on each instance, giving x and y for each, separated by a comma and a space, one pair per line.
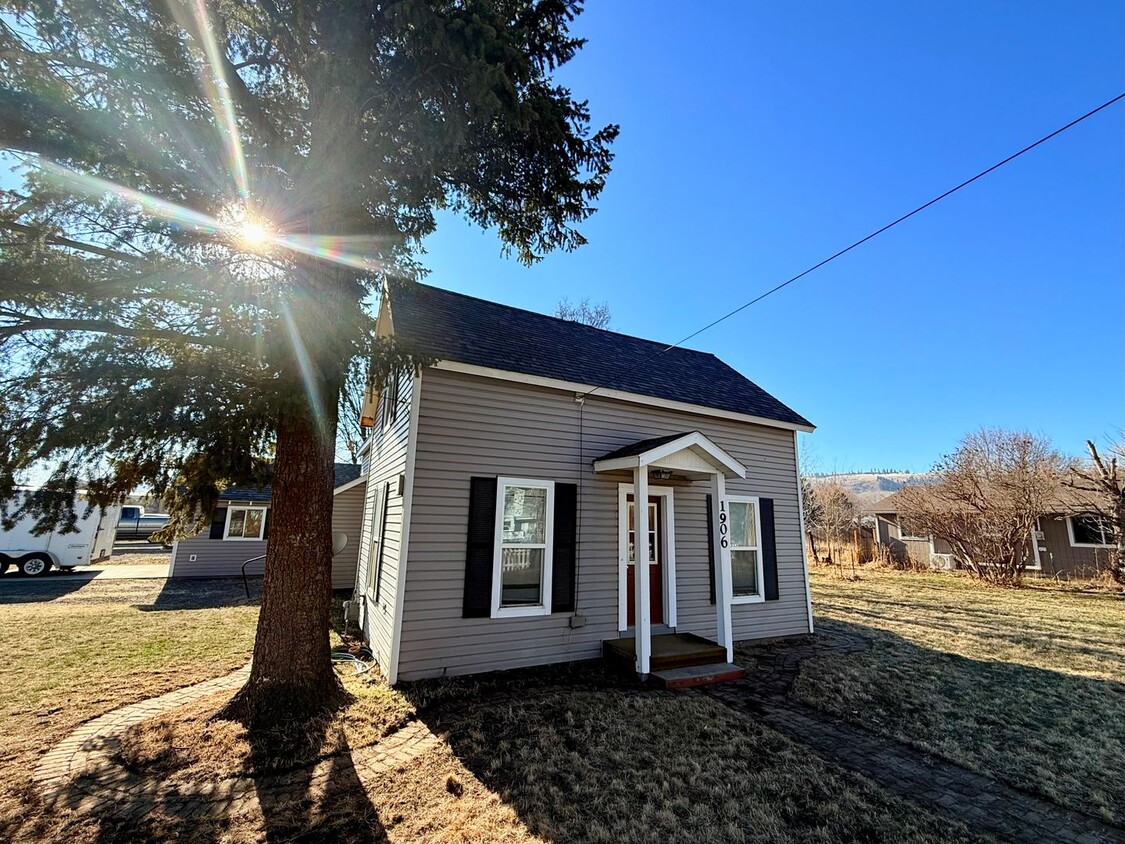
611, 766
571, 754
70, 659
1025, 684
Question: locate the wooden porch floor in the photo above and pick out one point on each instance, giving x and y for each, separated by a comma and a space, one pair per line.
669, 650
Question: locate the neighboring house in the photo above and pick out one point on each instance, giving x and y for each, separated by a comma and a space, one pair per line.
499, 527
240, 528
1068, 541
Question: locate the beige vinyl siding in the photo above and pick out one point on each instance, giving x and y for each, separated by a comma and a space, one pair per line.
224, 557
347, 518
217, 557
386, 459
477, 426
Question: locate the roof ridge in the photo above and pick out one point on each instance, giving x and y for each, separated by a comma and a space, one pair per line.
569, 322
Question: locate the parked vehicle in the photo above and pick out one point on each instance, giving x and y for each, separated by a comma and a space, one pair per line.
34, 556
135, 523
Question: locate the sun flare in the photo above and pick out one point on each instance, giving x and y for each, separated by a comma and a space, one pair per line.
253, 234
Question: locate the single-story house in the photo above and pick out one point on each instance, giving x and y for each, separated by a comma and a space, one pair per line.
240, 529
499, 526
1069, 541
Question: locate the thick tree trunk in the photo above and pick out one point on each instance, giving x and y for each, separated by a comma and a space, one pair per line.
292, 674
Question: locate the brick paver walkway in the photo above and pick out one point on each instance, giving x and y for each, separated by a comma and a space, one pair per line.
976, 800
81, 773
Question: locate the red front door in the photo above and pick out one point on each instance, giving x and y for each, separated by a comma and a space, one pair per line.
655, 559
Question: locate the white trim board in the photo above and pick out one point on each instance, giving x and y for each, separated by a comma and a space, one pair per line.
404, 541
664, 455
1070, 534
362, 479
620, 395
668, 540
801, 509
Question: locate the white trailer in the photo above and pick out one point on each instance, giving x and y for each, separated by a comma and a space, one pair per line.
35, 555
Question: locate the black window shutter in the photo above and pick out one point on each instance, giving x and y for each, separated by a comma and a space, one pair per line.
266, 524
769, 549
218, 522
710, 549
480, 548
565, 548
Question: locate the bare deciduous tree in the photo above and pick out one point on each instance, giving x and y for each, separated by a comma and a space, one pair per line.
814, 514
597, 316
986, 498
1101, 489
838, 513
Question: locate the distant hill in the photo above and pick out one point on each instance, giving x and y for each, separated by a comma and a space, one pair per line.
871, 487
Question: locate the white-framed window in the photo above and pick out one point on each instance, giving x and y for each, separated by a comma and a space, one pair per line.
245, 523
391, 397
909, 532
378, 530
1089, 531
521, 566
745, 550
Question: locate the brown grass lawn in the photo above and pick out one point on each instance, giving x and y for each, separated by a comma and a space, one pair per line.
80, 653
570, 754
1026, 684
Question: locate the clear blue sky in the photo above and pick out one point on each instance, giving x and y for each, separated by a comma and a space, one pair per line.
758, 138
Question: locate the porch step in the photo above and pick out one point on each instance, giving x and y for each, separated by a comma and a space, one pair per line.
669, 651
696, 675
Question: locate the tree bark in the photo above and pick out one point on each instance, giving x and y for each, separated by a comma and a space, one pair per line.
292, 676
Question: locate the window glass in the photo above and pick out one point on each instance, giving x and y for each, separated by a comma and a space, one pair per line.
744, 572
237, 521
521, 577
743, 528
653, 539
1091, 530
525, 515
253, 525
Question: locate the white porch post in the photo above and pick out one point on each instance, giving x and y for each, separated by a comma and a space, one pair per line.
721, 552
642, 626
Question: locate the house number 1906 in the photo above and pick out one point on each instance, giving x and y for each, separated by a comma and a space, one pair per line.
724, 542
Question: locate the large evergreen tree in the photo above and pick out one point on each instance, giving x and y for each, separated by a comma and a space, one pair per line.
212, 191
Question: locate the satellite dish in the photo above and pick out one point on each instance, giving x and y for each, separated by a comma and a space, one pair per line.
339, 542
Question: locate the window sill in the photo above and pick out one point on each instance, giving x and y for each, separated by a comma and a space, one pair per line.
748, 599
243, 539
520, 612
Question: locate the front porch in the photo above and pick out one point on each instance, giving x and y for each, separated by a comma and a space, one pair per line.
647, 560
677, 660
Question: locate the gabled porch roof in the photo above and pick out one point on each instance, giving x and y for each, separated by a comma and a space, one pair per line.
684, 452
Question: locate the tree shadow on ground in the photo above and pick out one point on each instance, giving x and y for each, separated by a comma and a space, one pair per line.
584, 754
321, 804
1060, 736
202, 593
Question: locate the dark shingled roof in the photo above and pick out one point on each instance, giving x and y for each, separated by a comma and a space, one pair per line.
641, 446
345, 473
454, 327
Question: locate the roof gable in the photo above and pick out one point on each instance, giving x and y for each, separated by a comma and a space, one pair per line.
453, 327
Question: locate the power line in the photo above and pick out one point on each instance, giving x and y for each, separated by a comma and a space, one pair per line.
864, 240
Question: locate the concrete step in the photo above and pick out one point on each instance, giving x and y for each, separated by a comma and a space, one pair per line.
696, 675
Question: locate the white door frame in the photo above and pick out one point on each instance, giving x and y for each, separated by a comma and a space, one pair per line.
668, 546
